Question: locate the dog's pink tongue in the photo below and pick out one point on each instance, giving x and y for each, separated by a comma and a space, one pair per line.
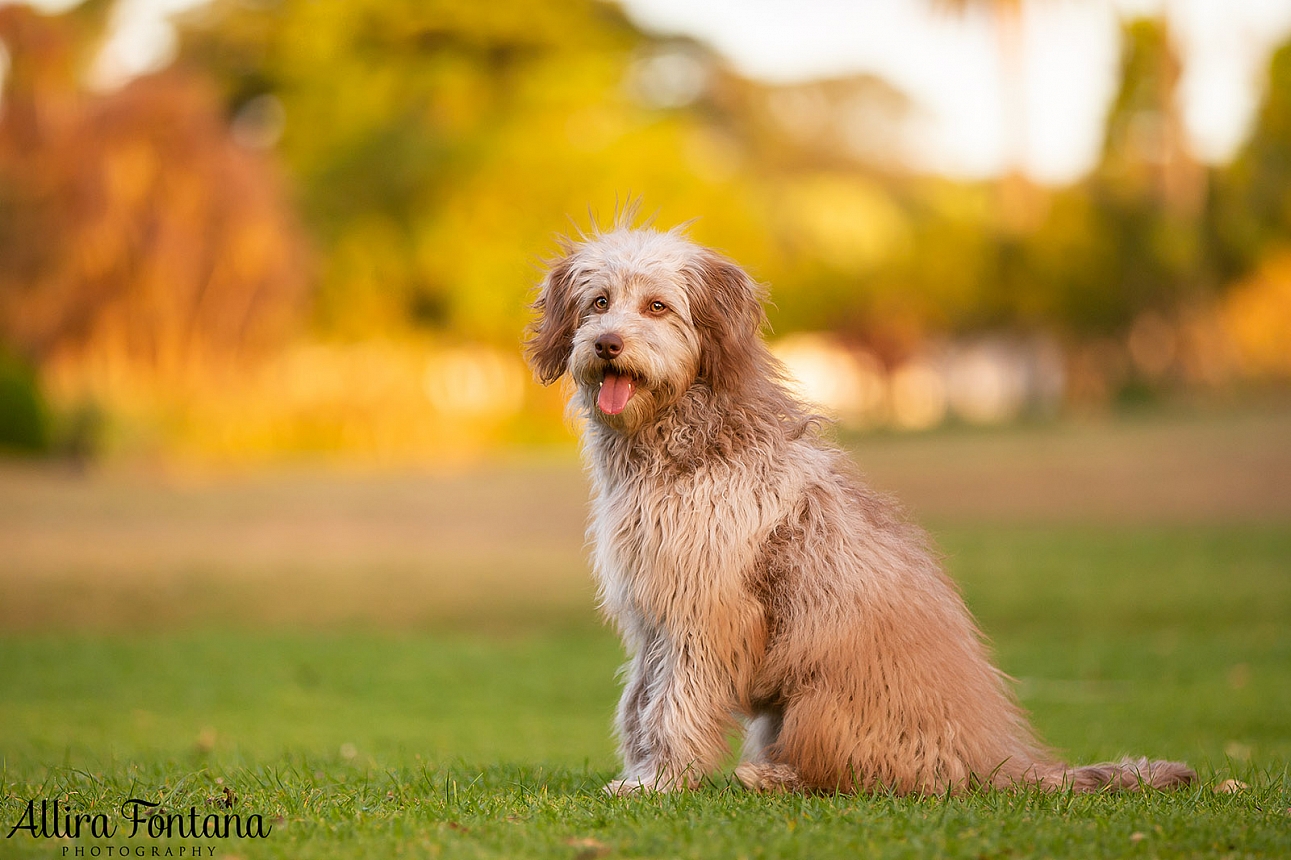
616, 391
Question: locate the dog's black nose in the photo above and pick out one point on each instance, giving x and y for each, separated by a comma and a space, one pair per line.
608, 346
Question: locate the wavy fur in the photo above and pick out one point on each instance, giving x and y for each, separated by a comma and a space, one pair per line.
751, 573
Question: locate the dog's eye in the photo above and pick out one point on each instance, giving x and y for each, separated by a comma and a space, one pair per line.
601, 303
657, 307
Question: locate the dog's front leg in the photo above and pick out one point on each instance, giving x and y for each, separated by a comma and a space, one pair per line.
674, 716
642, 676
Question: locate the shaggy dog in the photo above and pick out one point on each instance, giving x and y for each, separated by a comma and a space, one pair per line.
752, 575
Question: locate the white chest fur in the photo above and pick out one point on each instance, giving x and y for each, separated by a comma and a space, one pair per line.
667, 545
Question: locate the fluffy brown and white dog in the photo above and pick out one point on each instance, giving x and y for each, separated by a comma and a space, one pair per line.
752, 575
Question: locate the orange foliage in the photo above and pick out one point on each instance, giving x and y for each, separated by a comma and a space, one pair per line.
133, 229
1257, 317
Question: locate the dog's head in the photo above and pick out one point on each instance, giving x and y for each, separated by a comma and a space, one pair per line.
636, 317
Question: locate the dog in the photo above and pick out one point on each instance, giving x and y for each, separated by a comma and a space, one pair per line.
751, 574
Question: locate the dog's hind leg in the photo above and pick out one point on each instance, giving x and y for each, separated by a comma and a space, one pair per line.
768, 776
756, 771
760, 733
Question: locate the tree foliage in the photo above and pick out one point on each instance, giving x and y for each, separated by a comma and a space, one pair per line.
433, 148
132, 228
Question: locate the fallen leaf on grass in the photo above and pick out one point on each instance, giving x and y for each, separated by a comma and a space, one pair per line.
1231, 786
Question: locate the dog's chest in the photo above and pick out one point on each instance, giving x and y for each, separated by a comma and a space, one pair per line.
657, 538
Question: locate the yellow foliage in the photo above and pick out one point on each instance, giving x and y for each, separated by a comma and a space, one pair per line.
386, 401
851, 224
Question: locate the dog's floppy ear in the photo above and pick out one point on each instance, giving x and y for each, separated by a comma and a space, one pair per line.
727, 312
551, 337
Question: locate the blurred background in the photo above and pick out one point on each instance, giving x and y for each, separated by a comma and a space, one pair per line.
265, 267
239, 232
275, 475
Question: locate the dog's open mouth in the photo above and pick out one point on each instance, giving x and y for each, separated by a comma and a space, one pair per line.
616, 390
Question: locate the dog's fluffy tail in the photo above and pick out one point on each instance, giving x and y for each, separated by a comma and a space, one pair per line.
1128, 774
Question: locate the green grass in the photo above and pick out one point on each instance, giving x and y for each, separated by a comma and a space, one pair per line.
437, 742
326, 808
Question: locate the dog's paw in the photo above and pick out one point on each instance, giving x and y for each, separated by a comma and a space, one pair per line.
764, 776
624, 787
644, 785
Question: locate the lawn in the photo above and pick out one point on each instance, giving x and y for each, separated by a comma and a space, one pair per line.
165, 650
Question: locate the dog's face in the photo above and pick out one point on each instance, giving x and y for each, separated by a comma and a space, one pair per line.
636, 317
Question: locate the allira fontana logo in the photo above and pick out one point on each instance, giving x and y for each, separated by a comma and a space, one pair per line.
137, 818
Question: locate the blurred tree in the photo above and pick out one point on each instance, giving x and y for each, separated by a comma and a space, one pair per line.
1131, 238
133, 229
1145, 150
436, 145
1251, 203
